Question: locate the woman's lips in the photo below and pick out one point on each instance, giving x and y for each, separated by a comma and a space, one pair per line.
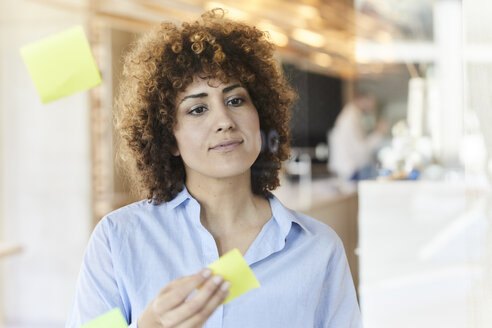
227, 145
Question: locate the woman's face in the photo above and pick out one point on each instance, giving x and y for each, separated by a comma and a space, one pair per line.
217, 129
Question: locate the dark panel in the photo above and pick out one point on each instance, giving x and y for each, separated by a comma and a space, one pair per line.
320, 101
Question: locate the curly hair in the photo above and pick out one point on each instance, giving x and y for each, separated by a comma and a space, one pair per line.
162, 63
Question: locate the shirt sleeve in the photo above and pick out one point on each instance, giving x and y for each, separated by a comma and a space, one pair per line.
338, 306
97, 290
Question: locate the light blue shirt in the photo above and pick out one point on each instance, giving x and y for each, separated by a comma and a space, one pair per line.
137, 250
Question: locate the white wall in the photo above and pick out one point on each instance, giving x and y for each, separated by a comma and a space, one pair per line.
477, 30
45, 176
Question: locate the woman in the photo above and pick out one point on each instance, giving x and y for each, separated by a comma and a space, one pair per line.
192, 105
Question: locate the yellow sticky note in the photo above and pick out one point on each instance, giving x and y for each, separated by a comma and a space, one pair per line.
232, 267
61, 64
111, 319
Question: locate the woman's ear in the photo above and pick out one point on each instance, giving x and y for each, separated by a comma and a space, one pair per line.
175, 151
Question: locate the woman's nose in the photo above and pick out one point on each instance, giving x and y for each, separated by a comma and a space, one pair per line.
224, 120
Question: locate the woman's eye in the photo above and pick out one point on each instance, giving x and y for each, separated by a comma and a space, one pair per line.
197, 110
235, 101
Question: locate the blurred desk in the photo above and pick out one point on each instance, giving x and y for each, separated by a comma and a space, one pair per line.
419, 247
9, 249
330, 201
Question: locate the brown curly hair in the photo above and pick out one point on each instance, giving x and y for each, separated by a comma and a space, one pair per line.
162, 63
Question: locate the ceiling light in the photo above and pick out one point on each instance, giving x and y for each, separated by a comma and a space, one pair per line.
308, 12
280, 39
277, 37
322, 59
308, 37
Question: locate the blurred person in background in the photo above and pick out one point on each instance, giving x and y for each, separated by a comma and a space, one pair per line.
192, 102
355, 138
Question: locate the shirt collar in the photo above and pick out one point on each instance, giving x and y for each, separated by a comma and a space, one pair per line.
183, 196
284, 216
274, 235
272, 239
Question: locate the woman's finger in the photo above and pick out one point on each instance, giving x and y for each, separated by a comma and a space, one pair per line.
177, 291
199, 318
195, 304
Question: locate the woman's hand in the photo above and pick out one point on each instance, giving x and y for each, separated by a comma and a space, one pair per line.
172, 309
